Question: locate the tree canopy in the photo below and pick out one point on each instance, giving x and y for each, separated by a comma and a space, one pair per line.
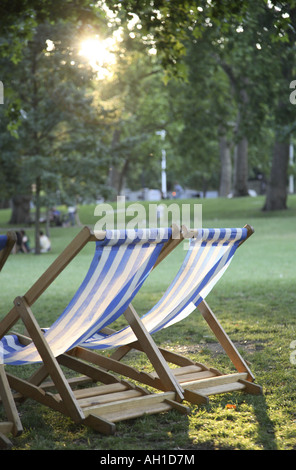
215, 75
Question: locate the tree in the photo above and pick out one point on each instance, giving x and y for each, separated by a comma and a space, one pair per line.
282, 25
208, 112
255, 75
18, 20
57, 117
140, 103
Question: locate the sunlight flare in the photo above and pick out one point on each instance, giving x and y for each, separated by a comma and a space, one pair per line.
99, 54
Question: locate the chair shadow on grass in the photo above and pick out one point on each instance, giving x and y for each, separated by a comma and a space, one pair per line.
264, 437
175, 431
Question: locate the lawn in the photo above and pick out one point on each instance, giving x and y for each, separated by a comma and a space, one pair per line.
255, 302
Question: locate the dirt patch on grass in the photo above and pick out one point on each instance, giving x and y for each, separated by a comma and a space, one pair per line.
250, 347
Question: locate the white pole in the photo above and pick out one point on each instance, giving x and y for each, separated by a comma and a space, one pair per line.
163, 174
163, 167
291, 178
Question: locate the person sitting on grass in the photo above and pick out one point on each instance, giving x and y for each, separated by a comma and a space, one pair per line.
45, 244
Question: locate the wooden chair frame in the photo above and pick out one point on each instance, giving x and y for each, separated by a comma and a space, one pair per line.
198, 381
13, 424
101, 406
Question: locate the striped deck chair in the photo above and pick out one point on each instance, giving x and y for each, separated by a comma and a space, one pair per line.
209, 255
121, 263
13, 425
7, 242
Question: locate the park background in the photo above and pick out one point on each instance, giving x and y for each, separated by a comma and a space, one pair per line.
217, 77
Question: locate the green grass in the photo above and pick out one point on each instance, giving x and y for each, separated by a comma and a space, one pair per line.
255, 302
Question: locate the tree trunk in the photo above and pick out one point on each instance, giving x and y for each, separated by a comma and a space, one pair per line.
239, 87
276, 196
122, 176
277, 189
114, 174
242, 165
226, 167
20, 210
241, 169
37, 216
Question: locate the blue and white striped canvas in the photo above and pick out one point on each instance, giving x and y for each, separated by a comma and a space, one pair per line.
121, 263
208, 257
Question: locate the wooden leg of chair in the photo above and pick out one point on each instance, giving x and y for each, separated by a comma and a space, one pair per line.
153, 352
224, 340
252, 388
5, 443
120, 352
49, 360
9, 404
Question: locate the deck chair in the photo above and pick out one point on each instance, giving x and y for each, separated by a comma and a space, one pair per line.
13, 424
209, 255
121, 263
7, 242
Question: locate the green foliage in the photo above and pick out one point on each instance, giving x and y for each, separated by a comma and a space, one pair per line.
18, 20
141, 107
57, 120
253, 42
84, 137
